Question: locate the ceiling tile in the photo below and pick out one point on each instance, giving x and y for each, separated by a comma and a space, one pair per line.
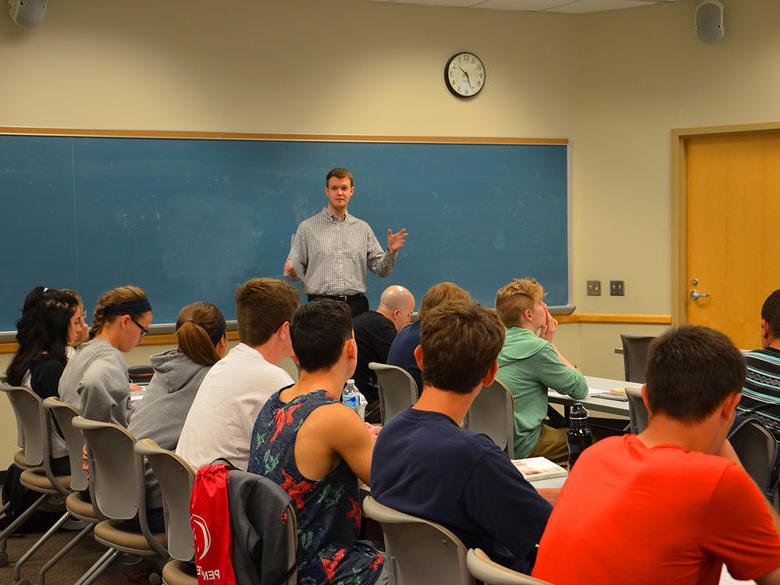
582, 6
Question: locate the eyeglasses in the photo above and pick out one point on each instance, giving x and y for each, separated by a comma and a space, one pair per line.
144, 330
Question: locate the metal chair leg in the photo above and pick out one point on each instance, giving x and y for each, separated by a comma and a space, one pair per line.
18, 522
99, 567
63, 551
38, 544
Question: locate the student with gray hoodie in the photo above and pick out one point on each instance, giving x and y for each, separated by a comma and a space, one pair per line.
95, 380
178, 373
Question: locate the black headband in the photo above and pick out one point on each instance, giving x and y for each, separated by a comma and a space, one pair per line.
129, 308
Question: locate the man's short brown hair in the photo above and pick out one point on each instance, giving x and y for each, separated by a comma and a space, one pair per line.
440, 293
340, 173
516, 297
262, 306
460, 342
691, 370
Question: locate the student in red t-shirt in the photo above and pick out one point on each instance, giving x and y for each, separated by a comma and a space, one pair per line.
672, 504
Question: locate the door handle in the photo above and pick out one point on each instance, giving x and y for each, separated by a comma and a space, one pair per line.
696, 295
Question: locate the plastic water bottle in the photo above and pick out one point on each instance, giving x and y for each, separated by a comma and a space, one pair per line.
578, 436
353, 398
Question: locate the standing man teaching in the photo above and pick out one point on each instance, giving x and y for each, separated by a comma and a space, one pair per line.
331, 251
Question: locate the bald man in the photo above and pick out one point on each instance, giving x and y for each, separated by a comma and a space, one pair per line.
374, 333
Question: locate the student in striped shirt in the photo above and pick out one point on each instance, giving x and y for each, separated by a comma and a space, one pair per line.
761, 391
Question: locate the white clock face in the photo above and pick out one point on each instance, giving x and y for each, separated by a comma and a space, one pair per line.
465, 75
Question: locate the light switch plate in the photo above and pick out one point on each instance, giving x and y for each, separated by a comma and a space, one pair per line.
617, 288
594, 288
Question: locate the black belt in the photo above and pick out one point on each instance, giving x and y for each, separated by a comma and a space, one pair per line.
343, 298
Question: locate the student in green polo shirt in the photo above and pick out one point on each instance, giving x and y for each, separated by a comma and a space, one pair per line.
529, 364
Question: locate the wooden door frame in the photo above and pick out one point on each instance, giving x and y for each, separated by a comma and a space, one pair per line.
680, 137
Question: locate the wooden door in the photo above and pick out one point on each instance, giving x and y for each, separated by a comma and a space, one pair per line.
733, 230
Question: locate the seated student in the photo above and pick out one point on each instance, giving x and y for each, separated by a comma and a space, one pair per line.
49, 323
219, 423
178, 373
95, 380
529, 364
374, 332
672, 504
761, 392
424, 464
401, 352
314, 447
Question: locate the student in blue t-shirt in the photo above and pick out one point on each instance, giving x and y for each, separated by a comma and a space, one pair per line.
425, 465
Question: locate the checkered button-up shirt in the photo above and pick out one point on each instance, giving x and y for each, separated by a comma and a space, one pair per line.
332, 255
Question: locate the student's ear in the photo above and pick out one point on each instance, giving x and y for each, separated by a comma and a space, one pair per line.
418, 356
729, 406
487, 380
644, 397
765, 333
350, 346
284, 330
222, 344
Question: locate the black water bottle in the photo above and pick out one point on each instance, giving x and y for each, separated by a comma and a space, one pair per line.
578, 436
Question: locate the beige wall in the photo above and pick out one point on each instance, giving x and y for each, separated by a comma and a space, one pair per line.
614, 83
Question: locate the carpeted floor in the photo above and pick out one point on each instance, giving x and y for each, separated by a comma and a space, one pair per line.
75, 563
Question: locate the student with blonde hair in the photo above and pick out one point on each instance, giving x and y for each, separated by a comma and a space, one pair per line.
178, 373
95, 380
529, 364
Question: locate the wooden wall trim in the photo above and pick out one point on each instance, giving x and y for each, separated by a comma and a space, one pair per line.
265, 136
614, 318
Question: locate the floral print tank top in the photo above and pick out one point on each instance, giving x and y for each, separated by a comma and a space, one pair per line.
328, 510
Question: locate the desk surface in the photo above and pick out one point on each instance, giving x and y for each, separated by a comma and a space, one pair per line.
594, 401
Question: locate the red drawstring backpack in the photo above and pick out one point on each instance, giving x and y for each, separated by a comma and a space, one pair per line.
210, 521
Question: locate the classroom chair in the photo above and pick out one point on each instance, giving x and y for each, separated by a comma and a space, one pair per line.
76, 506
635, 357
38, 476
757, 450
397, 389
175, 477
118, 491
484, 569
492, 413
420, 552
637, 411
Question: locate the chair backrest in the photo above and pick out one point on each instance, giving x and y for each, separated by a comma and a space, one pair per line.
635, 357
492, 413
421, 552
483, 568
757, 450
175, 477
113, 468
64, 413
397, 389
31, 417
637, 411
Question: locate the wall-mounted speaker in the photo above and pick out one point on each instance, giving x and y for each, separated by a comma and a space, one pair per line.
27, 13
709, 21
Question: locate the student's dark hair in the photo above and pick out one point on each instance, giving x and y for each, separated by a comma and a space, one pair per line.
770, 312
42, 328
199, 328
460, 341
691, 370
113, 299
340, 173
318, 331
262, 306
